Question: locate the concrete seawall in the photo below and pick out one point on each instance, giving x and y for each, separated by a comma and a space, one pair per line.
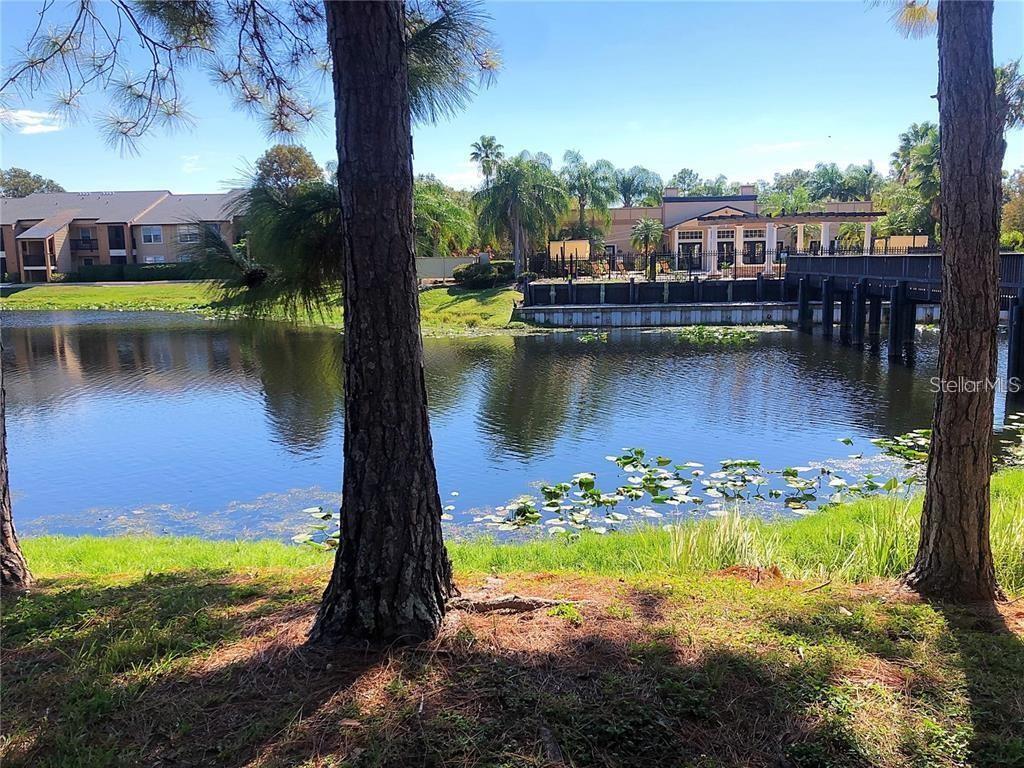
654, 315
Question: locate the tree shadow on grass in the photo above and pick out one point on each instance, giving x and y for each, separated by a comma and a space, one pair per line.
975, 668
457, 296
992, 660
200, 669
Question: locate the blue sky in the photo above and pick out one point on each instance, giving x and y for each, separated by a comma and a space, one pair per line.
745, 89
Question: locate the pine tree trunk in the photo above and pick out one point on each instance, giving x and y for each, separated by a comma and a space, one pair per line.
391, 573
954, 557
14, 573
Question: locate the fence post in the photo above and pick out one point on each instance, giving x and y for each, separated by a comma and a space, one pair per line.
759, 293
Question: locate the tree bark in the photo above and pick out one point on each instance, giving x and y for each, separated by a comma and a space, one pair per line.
954, 556
391, 574
14, 573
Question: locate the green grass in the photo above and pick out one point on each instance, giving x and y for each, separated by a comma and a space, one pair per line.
443, 310
170, 297
855, 542
205, 666
181, 651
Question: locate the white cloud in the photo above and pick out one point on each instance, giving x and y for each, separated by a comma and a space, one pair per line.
465, 176
191, 164
29, 122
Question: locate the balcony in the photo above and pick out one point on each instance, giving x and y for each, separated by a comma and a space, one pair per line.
84, 246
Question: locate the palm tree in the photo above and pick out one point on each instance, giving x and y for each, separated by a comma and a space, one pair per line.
487, 153
826, 182
910, 138
636, 184
861, 181
524, 202
647, 232
443, 224
592, 186
923, 175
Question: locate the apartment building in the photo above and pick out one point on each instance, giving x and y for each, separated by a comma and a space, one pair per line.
47, 233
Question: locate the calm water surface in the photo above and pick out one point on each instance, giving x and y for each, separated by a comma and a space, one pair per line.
159, 422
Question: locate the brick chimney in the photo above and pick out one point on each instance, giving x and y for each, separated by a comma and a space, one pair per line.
748, 189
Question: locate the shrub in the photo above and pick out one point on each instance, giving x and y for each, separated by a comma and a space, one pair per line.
484, 275
140, 272
528, 277
1012, 240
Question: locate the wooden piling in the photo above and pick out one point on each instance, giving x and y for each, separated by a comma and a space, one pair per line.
803, 306
845, 318
908, 314
827, 307
859, 291
875, 322
895, 326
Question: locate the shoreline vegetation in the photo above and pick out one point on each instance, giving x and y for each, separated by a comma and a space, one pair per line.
444, 310
733, 642
852, 542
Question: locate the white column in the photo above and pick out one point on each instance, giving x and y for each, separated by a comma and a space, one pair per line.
711, 252
737, 258
826, 236
675, 241
799, 238
769, 247
867, 238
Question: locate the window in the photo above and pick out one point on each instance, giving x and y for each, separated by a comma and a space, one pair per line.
184, 257
188, 233
727, 234
213, 227
609, 250
115, 238
753, 234
152, 234
86, 262
153, 259
86, 233
691, 234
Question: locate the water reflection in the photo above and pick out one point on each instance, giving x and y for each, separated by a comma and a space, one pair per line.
117, 416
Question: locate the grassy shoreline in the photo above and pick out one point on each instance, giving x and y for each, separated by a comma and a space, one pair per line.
444, 310
854, 542
174, 651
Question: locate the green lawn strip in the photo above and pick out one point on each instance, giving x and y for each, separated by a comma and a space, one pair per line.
443, 310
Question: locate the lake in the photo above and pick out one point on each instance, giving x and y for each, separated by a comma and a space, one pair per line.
153, 422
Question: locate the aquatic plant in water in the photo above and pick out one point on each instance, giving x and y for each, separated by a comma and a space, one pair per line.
714, 336
656, 488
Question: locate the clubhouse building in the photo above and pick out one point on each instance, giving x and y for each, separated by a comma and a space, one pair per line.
714, 230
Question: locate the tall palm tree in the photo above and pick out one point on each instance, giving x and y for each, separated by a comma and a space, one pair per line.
524, 202
647, 232
487, 153
591, 185
635, 184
